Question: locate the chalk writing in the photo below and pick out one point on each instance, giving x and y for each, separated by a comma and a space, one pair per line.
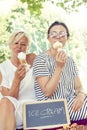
48, 112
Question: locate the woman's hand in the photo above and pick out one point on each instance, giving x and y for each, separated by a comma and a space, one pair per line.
20, 72
4, 90
61, 58
78, 102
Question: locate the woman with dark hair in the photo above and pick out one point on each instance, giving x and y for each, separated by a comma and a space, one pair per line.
56, 74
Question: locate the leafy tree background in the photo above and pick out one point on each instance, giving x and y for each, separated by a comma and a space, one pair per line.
35, 16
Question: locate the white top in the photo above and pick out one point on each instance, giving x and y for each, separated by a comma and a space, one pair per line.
26, 91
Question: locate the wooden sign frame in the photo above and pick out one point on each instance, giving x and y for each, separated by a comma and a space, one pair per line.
45, 114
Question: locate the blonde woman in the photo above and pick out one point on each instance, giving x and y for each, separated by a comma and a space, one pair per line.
17, 83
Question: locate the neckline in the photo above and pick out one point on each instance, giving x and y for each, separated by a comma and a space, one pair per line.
13, 66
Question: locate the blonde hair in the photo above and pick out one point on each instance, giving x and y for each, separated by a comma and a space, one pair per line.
16, 36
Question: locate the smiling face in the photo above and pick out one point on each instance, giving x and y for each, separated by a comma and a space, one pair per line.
57, 33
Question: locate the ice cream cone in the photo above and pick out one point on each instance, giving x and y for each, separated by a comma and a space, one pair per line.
57, 45
22, 57
22, 61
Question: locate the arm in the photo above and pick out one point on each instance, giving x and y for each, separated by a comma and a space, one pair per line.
79, 100
14, 91
49, 84
78, 85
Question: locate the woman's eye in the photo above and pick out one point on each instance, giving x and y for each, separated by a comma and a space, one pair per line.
63, 34
53, 35
23, 44
16, 43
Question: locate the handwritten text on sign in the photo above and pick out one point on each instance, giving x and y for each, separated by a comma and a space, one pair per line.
46, 114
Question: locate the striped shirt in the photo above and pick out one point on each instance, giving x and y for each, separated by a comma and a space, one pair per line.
44, 65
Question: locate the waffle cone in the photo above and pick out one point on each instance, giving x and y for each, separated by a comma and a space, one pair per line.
22, 61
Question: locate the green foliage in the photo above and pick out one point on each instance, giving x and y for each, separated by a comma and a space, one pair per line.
36, 27
4, 53
35, 6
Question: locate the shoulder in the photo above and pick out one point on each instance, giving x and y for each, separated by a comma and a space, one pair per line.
4, 64
41, 57
30, 58
40, 60
31, 55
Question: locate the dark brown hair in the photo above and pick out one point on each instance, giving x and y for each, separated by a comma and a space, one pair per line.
59, 23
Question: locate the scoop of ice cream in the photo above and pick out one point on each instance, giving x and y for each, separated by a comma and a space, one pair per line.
22, 57
57, 45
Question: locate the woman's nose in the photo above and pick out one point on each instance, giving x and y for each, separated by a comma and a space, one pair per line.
19, 45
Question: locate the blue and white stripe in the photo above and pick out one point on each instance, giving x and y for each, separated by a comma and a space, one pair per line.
44, 65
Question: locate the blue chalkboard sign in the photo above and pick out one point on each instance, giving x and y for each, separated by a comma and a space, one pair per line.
45, 114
